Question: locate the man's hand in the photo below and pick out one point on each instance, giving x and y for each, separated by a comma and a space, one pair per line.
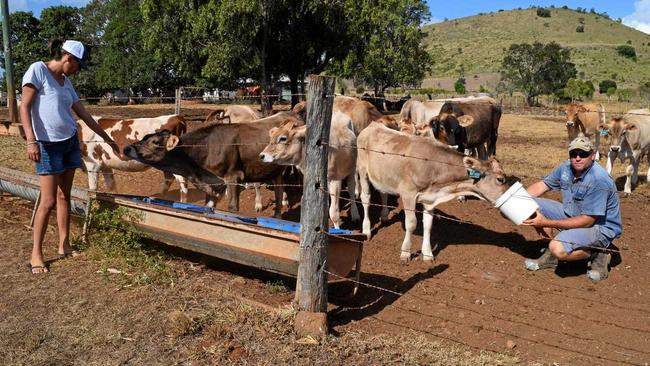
538, 220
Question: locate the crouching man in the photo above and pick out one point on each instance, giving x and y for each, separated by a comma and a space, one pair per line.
588, 219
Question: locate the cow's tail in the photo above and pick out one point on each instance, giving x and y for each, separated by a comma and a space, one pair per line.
217, 112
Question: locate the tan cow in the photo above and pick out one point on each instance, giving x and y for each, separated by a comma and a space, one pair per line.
420, 170
234, 114
360, 111
629, 137
584, 118
286, 148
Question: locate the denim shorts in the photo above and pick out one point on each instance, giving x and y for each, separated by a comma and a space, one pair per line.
59, 156
572, 239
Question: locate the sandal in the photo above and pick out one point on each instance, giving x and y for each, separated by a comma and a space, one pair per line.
72, 254
42, 269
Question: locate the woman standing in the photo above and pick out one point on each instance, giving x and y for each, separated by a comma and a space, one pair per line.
48, 99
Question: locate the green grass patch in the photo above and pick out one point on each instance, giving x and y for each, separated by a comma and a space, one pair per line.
121, 248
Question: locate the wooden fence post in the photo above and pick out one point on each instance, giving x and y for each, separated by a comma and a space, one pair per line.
311, 287
177, 100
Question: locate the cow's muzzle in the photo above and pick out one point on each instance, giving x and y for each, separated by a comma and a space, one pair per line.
615, 148
129, 152
267, 158
569, 123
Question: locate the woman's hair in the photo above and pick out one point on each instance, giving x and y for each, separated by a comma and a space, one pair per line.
56, 52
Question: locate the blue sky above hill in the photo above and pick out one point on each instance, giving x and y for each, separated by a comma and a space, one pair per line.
635, 13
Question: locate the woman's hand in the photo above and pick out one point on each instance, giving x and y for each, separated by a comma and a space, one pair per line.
33, 151
116, 149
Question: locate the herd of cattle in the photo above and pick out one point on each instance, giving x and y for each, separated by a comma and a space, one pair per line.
434, 152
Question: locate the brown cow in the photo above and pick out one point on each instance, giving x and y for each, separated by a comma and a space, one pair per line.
217, 155
286, 148
420, 170
584, 118
469, 126
98, 157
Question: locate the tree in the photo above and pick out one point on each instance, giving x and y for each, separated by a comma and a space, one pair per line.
459, 86
386, 43
26, 45
604, 85
120, 60
626, 51
576, 89
610, 93
537, 69
543, 13
60, 22
644, 92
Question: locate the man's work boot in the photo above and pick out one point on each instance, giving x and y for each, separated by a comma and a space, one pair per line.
599, 266
547, 260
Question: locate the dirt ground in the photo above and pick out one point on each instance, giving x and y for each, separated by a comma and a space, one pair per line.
477, 295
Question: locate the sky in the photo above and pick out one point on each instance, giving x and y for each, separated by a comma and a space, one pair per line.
635, 13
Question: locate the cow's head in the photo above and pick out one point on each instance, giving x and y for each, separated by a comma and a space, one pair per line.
407, 126
153, 148
489, 178
447, 129
613, 132
285, 144
572, 111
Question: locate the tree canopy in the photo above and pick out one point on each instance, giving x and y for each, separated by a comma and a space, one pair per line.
160, 44
537, 69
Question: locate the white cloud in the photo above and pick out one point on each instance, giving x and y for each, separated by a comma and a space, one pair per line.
640, 19
18, 5
433, 20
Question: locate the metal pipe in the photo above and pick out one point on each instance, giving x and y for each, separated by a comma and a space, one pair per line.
26, 186
9, 65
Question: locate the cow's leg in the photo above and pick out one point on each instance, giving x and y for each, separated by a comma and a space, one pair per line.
632, 172
410, 223
364, 193
480, 150
109, 179
354, 210
647, 176
358, 186
258, 197
334, 187
636, 159
427, 222
168, 178
93, 175
279, 194
611, 157
182, 182
597, 147
384, 207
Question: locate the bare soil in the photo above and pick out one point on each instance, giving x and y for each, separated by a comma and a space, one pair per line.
477, 294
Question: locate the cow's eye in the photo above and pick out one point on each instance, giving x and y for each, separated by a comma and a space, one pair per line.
501, 180
282, 140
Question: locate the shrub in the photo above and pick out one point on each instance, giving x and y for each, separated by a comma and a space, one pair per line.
565, 7
625, 95
610, 92
604, 85
629, 41
580, 28
459, 86
360, 89
543, 13
626, 51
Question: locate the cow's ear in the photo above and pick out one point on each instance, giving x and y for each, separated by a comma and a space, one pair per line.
629, 126
273, 131
473, 164
172, 141
465, 121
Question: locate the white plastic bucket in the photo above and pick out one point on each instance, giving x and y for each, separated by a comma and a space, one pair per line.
516, 204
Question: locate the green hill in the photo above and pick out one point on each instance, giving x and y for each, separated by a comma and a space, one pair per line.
477, 44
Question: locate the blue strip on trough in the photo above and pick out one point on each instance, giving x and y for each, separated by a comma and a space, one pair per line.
283, 225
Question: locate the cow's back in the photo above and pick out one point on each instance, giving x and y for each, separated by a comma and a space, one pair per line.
640, 118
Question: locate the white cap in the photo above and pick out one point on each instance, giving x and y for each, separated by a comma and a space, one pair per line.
78, 50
